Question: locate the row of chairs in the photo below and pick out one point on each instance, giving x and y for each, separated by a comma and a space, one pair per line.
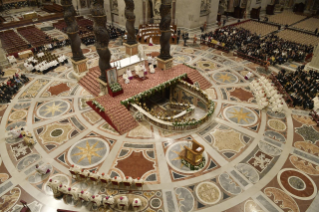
309, 25
12, 42
286, 17
298, 37
59, 189
85, 175
34, 35
258, 27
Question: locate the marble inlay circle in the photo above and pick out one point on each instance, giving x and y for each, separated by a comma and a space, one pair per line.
188, 51
208, 193
225, 77
173, 157
206, 65
18, 115
277, 125
56, 132
292, 182
275, 135
180, 58
53, 109
240, 115
88, 152
156, 203
297, 183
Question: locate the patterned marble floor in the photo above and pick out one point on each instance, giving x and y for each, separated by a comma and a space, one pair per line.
254, 160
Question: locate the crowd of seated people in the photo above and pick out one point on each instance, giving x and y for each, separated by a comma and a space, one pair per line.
88, 40
301, 86
232, 37
275, 50
115, 32
55, 44
9, 88
44, 62
269, 48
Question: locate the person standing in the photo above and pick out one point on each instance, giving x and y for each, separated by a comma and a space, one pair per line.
224, 22
185, 37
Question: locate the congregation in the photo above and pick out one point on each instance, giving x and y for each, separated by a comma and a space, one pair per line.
12, 85
269, 48
44, 62
301, 85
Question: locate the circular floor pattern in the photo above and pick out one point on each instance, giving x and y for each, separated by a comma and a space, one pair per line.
277, 125
206, 65
174, 154
226, 78
88, 152
62, 136
208, 193
240, 115
180, 58
297, 184
18, 115
53, 109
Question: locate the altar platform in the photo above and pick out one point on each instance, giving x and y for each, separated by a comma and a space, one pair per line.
115, 113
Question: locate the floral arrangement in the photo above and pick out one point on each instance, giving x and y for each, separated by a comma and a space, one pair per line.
151, 91
98, 105
115, 87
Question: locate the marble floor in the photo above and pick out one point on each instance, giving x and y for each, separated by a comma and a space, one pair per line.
255, 160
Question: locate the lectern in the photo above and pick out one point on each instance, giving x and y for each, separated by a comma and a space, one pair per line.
194, 155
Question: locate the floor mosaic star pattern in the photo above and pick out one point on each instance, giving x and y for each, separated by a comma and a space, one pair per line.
255, 161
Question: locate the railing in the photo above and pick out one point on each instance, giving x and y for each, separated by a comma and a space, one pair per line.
216, 46
180, 126
253, 59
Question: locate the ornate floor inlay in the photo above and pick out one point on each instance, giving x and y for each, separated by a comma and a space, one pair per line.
255, 160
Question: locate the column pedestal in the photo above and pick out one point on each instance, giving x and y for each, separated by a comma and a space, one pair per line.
79, 68
164, 64
131, 49
103, 87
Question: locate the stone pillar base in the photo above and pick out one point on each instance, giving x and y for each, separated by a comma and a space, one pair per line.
131, 49
164, 64
79, 68
103, 87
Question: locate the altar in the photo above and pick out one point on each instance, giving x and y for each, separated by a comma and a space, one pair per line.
129, 62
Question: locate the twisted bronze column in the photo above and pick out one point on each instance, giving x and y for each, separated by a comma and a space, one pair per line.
102, 37
130, 21
72, 30
165, 27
